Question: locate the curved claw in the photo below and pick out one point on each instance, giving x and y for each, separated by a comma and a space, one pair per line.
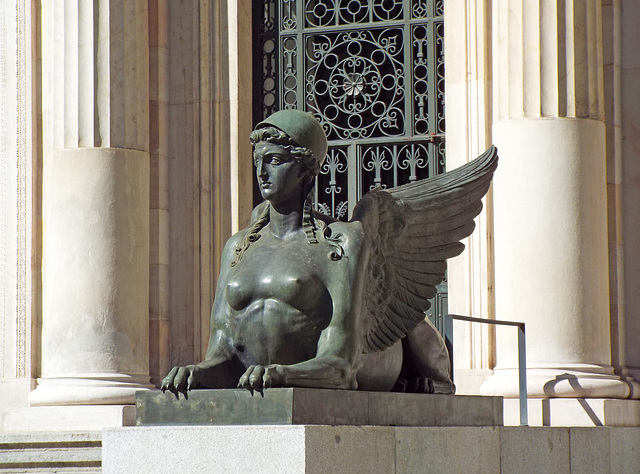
246, 379
242, 384
174, 390
180, 382
191, 381
255, 379
168, 382
266, 378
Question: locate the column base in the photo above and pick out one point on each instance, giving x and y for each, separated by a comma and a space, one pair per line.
574, 412
67, 418
109, 389
570, 381
469, 381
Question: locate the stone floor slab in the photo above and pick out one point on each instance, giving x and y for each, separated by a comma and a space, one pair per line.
66, 418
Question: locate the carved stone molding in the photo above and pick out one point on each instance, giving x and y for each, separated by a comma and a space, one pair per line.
22, 187
14, 189
3, 184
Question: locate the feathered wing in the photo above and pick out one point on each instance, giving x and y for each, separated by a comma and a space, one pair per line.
413, 229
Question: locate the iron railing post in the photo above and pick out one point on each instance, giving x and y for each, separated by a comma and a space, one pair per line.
522, 354
522, 375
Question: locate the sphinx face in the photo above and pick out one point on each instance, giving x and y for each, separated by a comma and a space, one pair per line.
280, 176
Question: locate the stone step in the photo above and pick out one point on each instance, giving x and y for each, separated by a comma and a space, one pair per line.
51, 452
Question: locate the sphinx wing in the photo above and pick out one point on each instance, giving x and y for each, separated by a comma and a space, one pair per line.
412, 230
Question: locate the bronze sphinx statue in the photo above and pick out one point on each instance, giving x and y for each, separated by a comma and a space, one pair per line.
304, 300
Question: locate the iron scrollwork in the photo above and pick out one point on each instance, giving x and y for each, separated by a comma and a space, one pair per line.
332, 184
390, 165
355, 82
439, 76
372, 72
323, 13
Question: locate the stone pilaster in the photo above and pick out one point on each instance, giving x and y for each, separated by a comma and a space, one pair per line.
628, 179
209, 170
95, 330
159, 261
468, 98
15, 203
550, 199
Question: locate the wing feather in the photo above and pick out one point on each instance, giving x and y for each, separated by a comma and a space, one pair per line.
446, 251
444, 236
425, 222
435, 268
426, 291
419, 277
413, 300
412, 230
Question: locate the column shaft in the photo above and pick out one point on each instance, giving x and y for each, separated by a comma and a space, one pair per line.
95, 334
550, 197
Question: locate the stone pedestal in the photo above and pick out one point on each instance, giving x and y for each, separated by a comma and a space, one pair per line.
298, 406
338, 434
370, 449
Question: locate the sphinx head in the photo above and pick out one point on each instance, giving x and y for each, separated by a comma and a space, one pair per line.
289, 135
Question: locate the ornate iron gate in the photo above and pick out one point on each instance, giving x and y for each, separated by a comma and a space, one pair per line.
372, 72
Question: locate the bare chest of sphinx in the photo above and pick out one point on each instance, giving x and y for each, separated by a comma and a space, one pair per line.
279, 300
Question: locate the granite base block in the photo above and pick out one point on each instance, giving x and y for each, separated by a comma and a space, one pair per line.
242, 449
369, 449
300, 406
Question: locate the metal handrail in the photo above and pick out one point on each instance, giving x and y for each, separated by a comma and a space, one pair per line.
522, 357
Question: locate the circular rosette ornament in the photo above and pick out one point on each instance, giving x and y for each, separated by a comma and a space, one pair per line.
354, 83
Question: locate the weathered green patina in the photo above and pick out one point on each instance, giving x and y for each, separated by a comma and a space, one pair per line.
304, 300
306, 406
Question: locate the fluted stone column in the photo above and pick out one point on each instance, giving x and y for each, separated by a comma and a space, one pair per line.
550, 200
95, 331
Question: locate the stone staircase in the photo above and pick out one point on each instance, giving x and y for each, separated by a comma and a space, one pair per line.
51, 452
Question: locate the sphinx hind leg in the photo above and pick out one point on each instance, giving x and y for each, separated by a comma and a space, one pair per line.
426, 367
379, 370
